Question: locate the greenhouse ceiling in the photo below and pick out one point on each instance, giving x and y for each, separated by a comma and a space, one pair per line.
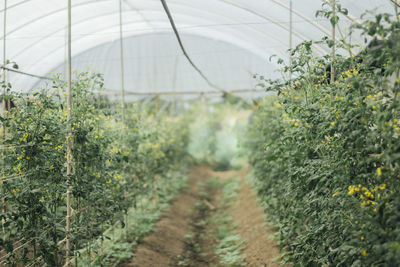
229, 40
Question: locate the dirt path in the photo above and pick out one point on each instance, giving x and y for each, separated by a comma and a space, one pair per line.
260, 249
169, 244
162, 247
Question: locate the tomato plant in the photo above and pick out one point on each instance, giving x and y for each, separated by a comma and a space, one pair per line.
113, 163
329, 168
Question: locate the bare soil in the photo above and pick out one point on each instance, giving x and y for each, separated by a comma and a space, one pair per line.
167, 244
260, 249
162, 247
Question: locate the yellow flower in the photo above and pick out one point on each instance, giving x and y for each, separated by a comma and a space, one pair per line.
351, 190
335, 194
364, 253
379, 171
362, 238
51, 167
15, 191
333, 123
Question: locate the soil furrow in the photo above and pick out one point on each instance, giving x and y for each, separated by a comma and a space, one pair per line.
185, 235
161, 247
260, 250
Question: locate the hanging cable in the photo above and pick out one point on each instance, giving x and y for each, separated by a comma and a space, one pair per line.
29, 74
395, 2
171, 20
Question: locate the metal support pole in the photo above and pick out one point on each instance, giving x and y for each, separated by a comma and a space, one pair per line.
122, 63
3, 201
333, 44
290, 39
69, 142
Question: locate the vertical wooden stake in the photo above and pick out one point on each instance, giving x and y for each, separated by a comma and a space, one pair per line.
121, 51
126, 217
157, 103
396, 11
155, 189
3, 201
174, 74
155, 183
290, 40
334, 42
69, 143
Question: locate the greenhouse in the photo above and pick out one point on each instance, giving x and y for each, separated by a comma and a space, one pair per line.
200, 133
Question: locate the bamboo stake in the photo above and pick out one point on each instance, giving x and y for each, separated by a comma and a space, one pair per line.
396, 11
333, 3
157, 103
122, 63
290, 39
121, 50
4, 207
69, 145
174, 86
155, 189
155, 182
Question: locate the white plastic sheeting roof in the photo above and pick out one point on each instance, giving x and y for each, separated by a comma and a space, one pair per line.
219, 34
153, 63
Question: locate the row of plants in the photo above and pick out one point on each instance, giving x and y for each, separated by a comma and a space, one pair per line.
117, 244
229, 245
325, 153
114, 164
215, 132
